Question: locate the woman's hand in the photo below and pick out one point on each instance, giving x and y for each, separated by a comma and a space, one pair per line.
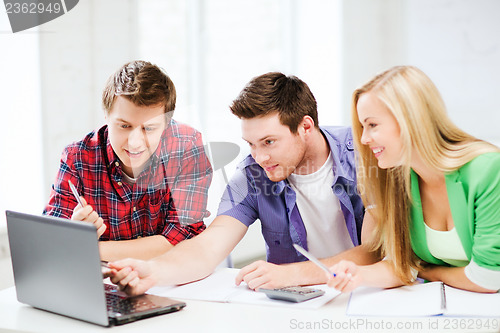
348, 276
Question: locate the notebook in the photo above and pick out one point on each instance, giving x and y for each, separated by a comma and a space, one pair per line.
425, 299
57, 268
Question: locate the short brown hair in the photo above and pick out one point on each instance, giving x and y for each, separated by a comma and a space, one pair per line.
273, 92
142, 83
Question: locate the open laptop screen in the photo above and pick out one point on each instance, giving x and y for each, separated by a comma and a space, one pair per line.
57, 267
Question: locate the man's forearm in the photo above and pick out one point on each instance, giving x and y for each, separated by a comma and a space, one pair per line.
143, 248
196, 258
185, 263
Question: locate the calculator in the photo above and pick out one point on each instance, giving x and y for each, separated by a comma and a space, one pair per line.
293, 294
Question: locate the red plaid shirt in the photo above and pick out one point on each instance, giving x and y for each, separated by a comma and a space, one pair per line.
169, 197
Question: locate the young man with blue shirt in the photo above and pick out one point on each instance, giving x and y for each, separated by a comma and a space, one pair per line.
299, 181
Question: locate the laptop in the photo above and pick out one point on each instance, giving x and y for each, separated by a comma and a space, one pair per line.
57, 268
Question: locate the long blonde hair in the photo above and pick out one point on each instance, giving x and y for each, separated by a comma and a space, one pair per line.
425, 129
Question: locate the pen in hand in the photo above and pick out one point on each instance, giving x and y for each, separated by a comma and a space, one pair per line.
98, 222
75, 193
313, 259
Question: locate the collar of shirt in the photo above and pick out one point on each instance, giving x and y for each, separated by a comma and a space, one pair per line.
338, 145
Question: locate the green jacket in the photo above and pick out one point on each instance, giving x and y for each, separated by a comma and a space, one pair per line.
474, 197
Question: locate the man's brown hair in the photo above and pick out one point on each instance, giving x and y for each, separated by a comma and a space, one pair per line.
275, 92
143, 84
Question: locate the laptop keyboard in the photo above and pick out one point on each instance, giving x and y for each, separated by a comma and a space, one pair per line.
112, 290
121, 305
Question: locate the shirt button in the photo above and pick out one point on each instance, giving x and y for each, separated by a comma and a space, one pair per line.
117, 163
120, 184
134, 209
350, 145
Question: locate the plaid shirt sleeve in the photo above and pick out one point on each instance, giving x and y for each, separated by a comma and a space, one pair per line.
189, 191
61, 201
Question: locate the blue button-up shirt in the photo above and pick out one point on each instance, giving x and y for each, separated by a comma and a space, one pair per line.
251, 195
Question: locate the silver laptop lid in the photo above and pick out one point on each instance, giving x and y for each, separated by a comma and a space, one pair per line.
56, 266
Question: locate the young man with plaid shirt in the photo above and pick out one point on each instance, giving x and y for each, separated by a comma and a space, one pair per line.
143, 178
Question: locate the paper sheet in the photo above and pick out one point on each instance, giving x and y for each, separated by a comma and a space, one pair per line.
220, 287
417, 300
423, 300
463, 303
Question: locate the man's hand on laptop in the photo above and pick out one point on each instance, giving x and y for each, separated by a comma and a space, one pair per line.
133, 276
88, 214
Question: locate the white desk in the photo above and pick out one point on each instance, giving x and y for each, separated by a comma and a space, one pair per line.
199, 316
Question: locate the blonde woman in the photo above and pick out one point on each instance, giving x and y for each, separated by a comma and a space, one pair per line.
433, 190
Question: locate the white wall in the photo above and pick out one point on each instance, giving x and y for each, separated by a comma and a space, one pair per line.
21, 177
456, 43
21, 153
373, 38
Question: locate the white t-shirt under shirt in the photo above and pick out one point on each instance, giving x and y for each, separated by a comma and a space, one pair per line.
320, 210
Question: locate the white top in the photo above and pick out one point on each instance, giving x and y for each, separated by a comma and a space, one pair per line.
320, 210
446, 245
